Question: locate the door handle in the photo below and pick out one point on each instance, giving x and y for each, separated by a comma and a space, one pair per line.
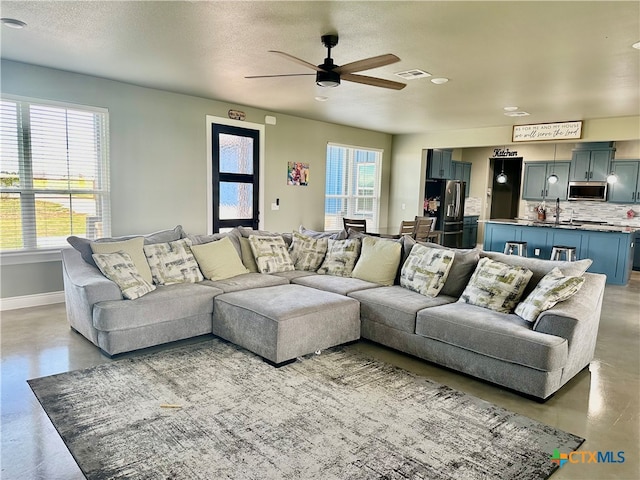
590, 174
586, 175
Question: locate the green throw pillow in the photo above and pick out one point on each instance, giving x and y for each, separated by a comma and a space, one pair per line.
553, 288
248, 259
120, 269
426, 269
218, 260
173, 262
378, 262
133, 247
271, 254
307, 253
496, 285
341, 257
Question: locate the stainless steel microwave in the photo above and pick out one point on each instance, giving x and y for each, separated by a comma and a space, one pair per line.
591, 191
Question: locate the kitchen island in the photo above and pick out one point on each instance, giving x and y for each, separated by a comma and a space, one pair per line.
610, 247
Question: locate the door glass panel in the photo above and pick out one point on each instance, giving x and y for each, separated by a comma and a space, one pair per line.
236, 154
236, 200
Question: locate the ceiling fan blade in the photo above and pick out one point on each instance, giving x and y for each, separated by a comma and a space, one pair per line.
376, 82
298, 60
282, 75
367, 64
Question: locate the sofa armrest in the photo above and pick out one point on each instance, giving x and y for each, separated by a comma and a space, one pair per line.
80, 275
577, 320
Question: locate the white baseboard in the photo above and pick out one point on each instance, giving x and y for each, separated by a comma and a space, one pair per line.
36, 300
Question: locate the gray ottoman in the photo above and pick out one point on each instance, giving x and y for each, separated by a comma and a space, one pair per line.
283, 322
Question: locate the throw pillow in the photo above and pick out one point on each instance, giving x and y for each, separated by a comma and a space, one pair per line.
341, 257
307, 253
200, 239
119, 268
218, 260
378, 262
336, 234
173, 262
248, 259
426, 269
133, 247
553, 288
271, 254
496, 285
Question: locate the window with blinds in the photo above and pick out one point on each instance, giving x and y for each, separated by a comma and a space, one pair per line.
54, 174
352, 186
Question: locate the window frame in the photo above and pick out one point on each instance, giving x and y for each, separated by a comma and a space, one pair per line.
27, 189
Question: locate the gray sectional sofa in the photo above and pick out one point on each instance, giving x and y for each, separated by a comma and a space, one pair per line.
535, 358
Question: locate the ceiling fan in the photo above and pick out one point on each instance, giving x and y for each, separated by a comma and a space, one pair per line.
329, 74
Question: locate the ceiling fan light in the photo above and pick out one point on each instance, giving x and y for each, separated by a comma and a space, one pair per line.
501, 178
327, 79
553, 178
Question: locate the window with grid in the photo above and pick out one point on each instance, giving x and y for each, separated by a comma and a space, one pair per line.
352, 186
54, 174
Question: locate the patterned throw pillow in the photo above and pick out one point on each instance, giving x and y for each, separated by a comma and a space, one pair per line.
426, 269
119, 268
496, 285
173, 262
133, 247
378, 262
218, 260
341, 257
553, 288
271, 254
307, 253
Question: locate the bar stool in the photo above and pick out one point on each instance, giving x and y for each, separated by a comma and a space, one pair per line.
569, 253
516, 248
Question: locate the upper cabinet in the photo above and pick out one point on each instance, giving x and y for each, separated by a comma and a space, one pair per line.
536, 186
462, 171
627, 188
439, 164
590, 162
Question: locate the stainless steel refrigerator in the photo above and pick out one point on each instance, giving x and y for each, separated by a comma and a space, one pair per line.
445, 200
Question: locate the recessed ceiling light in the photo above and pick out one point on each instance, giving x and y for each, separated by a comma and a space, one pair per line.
636, 45
321, 98
439, 80
13, 23
510, 109
516, 114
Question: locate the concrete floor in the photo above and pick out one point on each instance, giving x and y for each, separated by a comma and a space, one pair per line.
601, 404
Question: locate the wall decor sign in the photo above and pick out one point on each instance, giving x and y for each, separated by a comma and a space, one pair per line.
504, 152
298, 173
547, 131
236, 115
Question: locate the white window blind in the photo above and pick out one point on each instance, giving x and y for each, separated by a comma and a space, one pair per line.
54, 174
352, 187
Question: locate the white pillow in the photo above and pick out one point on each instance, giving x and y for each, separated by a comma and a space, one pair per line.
307, 253
341, 257
271, 254
426, 269
120, 269
219, 259
379, 260
173, 262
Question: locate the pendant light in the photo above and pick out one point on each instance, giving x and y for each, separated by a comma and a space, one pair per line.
501, 178
553, 178
612, 178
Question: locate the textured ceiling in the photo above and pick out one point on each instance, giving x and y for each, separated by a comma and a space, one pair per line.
559, 61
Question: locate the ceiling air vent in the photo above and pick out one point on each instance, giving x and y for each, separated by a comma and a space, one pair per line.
413, 74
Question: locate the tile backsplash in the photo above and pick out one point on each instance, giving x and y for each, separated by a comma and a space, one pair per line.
614, 213
472, 205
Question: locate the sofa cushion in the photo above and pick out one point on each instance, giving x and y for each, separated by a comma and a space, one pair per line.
336, 235
218, 260
540, 267
395, 306
133, 247
341, 257
553, 288
290, 275
378, 261
426, 270
330, 283
496, 285
247, 232
203, 239
173, 262
246, 281
307, 253
271, 253
119, 268
166, 303
464, 264
506, 337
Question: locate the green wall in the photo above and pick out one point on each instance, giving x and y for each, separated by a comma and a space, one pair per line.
158, 160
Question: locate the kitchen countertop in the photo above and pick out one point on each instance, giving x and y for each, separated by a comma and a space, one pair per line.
588, 225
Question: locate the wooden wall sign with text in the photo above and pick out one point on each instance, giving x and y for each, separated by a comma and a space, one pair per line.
547, 131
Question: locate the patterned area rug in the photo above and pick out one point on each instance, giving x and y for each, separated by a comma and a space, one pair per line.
215, 411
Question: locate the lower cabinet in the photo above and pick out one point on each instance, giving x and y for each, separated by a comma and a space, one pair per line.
612, 253
470, 231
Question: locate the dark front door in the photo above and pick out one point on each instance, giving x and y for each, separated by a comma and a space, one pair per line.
236, 162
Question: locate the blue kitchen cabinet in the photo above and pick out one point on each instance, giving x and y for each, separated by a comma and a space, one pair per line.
627, 188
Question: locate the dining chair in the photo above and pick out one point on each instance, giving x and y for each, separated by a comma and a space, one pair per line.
357, 224
406, 227
423, 226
